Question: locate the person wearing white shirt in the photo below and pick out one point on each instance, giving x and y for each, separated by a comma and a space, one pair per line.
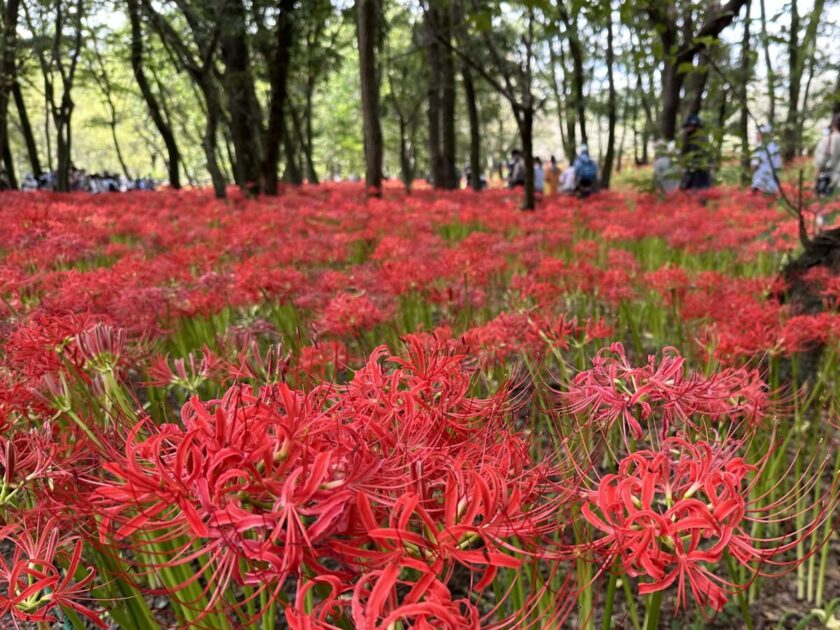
766, 161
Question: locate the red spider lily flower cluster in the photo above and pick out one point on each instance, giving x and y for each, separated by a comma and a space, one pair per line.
42, 574
372, 490
614, 391
669, 516
399, 469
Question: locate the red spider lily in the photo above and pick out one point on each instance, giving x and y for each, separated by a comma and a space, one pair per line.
669, 515
400, 467
32, 581
614, 391
188, 373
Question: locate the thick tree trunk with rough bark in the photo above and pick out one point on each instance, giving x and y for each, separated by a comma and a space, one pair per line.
278, 79
447, 104
434, 49
243, 107
8, 77
368, 15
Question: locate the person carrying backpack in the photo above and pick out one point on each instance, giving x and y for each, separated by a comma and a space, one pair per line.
586, 172
827, 160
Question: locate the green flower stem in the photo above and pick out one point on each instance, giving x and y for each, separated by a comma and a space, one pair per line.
654, 605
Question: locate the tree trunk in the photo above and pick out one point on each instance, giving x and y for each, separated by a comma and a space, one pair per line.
578, 79
771, 75
835, 109
696, 87
278, 80
243, 107
210, 139
611, 104
63, 145
367, 28
743, 122
26, 130
526, 131
6, 155
671, 86
447, 104
292, 173
789, 132
435, 105
558, 97
163, 127
570, 144
312, 174
475, 128
8, 77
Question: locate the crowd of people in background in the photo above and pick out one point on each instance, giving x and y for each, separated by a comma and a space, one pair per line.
81, 181
579, 178
688, 168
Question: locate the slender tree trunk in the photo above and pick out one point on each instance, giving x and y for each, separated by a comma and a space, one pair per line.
245, 118
526, 130
210, 139
367, 29
435, 105
8, 77
278, 79
578, 77
611, 104
768, 62
447, 104
312, 174
743, 122
161, 124
558, 97
475, 127
808, 55
47, 135
306, 160
26, 130
63, 144
789, 132
835, 109
570, 144
292, 173
6, 154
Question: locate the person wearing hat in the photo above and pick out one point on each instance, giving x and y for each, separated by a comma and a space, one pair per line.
694, 156
766, 161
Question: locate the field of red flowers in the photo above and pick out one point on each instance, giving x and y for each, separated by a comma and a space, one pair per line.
427, 411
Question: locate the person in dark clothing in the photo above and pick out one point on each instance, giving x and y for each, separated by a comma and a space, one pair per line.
516, 169
695, 157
